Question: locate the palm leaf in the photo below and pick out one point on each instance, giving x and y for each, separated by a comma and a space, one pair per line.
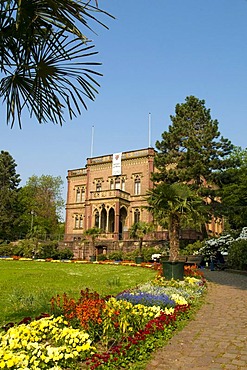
56, 77
43, 67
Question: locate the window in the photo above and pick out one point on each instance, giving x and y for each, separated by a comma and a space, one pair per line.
123, 184
81, 222
137, 189
96, 221
76, 222
137, 215
117, 183
98, 186
111, 184
83, 194
78, 195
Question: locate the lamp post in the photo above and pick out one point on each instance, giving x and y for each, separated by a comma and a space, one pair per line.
32, 214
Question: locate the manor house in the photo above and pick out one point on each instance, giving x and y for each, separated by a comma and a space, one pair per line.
109, 193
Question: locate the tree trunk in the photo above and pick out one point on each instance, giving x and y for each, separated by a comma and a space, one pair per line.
174, 227
140, 246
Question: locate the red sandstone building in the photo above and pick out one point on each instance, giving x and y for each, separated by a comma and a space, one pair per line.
109, 193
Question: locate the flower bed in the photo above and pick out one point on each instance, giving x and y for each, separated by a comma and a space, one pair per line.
101, 333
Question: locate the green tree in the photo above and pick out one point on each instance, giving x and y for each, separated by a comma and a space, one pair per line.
44, 57
138, 231
9, 186
173, 206
234, 192
42, 201
192, 149
190, 162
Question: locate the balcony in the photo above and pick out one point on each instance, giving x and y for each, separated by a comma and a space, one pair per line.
109, 194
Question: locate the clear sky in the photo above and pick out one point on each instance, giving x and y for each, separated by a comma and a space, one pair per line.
155, 53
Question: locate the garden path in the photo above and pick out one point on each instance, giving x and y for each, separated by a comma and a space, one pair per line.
217, 338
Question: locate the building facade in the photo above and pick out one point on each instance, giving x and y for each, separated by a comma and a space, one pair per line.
109, 193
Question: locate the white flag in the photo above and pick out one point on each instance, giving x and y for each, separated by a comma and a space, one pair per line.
116, 164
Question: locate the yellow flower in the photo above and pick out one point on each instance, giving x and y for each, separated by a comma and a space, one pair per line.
10, 363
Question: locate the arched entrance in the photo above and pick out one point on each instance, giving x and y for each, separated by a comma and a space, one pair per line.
111, 221
101, 250
122, 219
103, 219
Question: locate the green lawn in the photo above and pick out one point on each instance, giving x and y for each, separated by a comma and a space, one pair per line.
27, 286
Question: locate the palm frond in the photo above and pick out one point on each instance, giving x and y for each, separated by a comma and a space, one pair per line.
55, 78
42, 53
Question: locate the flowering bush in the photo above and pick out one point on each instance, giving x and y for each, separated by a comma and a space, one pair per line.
122, 318
193, 271
86, 311
183, 292
43, 344
147, 298
139, 344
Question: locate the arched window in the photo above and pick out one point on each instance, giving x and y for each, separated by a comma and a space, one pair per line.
137, 215
76, 222
81, 222
137, 190
78, 195
83, 194
96, 219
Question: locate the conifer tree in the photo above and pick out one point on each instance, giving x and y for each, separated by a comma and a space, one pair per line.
191, 158
192, 149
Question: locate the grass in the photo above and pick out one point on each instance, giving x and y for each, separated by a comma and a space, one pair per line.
27, 286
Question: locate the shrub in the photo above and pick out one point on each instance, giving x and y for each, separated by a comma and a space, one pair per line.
211, 246
192, 248
116, 256
237, 255
65, 254
49, 249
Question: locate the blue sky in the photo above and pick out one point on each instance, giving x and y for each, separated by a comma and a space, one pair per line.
155, 53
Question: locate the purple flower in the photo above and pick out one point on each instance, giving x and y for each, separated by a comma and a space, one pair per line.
147, 299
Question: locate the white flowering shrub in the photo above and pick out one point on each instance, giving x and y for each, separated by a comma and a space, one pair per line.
213, 245
243, 234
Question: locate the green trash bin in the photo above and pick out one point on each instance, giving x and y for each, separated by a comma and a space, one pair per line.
173, 270
92, 258
139, 259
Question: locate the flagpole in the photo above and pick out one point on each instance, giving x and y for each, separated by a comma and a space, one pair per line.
92, 141
149, 130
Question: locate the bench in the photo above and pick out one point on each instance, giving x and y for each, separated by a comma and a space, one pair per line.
188, 260
194, 260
